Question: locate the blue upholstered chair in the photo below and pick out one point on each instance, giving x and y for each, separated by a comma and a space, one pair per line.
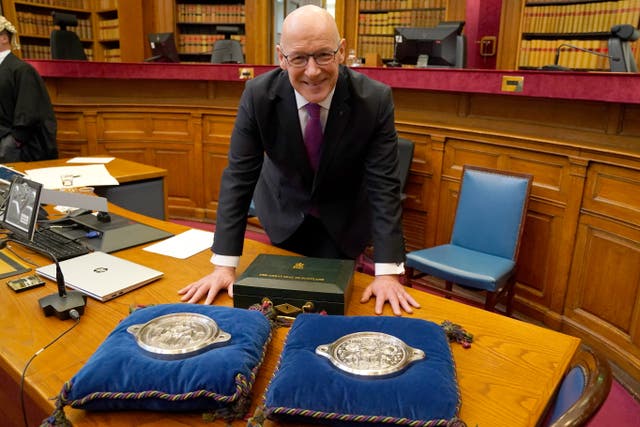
583, 390
482, 253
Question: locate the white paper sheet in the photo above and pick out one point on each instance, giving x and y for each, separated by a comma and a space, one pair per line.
83, 176
183, 245
90, 160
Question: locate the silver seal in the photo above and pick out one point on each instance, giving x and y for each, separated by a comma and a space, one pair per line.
178, 335
371, 354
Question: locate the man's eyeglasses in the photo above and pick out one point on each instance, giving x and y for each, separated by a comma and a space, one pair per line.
299, 60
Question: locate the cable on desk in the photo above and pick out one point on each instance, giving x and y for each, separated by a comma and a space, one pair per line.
19, 256
75, 316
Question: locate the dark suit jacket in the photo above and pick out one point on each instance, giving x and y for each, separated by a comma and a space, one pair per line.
357, 186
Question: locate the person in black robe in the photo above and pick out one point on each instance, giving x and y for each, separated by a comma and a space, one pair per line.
27, 121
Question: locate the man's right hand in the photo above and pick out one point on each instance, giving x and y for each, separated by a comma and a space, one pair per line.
210, 285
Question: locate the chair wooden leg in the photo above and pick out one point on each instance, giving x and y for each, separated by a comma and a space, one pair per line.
448, 285
511, 293
408, 274
490, 301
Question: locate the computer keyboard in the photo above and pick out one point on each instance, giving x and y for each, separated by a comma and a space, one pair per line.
59, 246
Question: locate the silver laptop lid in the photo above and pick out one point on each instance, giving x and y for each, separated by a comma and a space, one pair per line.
102, 276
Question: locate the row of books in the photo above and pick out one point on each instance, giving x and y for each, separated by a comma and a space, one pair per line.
111, 55
106, 4
401, 4
201, 43
213, 13
32, 51
538, 53
109, 29
37, 24
581, 17
384, 23
381, 45
75, 4
530, 2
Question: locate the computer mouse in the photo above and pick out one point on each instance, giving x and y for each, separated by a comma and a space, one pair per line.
104, 217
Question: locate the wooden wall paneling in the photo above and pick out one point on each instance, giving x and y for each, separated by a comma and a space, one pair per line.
216, 131
259, 48
163, 139
132, 37
456, 10
184, 191
603, 289
435, 157
159, 17
603, 303
508, 43
71, 135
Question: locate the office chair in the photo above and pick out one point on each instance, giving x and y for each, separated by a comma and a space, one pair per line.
483, 250
227, 51
620, 48
66, 44
583, 390
365, 263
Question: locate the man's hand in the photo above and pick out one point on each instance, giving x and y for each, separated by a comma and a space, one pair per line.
210, 285
388, 288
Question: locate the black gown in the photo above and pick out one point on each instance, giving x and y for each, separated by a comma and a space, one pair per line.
26, 111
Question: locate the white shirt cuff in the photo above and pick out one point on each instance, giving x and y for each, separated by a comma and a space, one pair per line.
389, 268
225, 260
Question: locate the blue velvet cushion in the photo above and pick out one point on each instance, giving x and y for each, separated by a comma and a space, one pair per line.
308, 388
120, 375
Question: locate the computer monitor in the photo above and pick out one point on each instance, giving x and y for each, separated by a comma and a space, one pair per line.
445, 45
163, 48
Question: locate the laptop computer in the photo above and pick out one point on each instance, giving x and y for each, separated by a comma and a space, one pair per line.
101, 276
20, 217
21, 207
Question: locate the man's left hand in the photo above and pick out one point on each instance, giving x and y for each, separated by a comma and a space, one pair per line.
388, 288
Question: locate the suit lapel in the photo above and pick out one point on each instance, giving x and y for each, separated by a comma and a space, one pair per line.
337, 121
289, 125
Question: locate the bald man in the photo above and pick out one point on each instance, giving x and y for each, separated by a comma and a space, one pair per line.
27, 122
327, 202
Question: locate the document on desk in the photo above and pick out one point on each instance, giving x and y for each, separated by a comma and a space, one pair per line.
183, 245
82, 176
90, 160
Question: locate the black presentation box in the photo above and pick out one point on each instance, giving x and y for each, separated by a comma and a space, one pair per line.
295, 284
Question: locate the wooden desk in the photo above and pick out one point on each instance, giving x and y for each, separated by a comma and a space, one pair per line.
506, 378
142, 187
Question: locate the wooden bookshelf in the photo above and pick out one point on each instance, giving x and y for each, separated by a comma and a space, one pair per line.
585, 24
199, 24
378, 19
109, 30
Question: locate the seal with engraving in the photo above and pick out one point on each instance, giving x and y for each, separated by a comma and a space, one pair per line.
371, 354
178, 335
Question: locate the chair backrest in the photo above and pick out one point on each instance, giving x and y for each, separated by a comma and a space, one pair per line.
66, 44
622, 58
405, 157
227, 51
492, 206
582, 391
